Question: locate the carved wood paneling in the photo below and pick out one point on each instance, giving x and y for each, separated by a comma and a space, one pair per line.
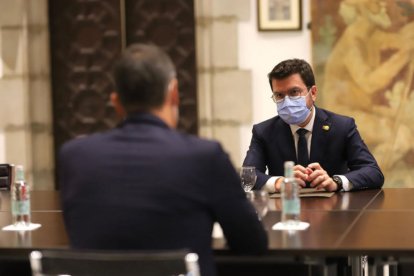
86, 38
170, 25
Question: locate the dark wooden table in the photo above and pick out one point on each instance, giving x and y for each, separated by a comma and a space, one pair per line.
16, 246
374, 223
46, 210
377, 223
331, 220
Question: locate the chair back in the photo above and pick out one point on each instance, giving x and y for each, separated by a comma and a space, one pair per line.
122, 263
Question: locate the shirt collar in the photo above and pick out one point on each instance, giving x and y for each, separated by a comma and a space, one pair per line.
309, 126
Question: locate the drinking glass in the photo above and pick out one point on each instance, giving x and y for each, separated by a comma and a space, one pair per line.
248, 178
260, 201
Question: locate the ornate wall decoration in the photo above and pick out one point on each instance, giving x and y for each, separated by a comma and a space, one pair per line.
363, 57
170, 25
85, 40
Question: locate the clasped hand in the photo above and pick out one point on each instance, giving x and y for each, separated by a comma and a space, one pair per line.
316, 176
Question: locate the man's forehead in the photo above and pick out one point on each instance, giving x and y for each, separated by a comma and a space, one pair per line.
291, 82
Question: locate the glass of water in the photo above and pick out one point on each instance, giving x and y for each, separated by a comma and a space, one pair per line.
260, 201
248, 177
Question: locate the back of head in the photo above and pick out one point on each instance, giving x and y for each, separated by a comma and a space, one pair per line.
290, 67
142, 75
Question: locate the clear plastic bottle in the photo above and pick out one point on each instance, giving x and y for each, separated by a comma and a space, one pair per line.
290, 196
20, 198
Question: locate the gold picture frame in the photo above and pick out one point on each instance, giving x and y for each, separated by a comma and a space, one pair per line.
279, 15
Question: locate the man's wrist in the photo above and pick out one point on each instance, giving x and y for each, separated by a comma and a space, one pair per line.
278, 183
270, 184
338, 182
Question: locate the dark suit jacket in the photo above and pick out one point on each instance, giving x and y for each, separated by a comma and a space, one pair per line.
336, 145
146, 186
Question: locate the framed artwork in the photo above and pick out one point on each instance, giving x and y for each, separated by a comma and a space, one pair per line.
362, 55
279, 15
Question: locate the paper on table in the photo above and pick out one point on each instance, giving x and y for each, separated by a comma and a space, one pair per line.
301, 225
21, 227
308, 192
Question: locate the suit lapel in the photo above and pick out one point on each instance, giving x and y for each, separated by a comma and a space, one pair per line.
320, 132
284, 141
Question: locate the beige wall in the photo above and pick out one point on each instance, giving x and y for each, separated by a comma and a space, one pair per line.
25, 106
224, 90
233, 61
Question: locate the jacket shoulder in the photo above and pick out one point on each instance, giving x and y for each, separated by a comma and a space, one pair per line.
267, 123
335, 117
195, 143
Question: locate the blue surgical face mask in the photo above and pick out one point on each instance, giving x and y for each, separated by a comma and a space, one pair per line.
293, 112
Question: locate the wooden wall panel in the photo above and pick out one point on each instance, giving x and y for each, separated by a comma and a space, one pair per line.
170, 25
86, 38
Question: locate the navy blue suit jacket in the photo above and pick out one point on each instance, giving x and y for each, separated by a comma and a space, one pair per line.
336, 144
143, 185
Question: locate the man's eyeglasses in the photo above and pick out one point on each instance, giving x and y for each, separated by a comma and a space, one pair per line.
293, 94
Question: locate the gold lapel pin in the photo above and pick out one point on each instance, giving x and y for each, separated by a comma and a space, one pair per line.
325, 127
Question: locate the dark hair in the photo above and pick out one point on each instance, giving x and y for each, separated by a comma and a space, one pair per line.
142, 75
292, 66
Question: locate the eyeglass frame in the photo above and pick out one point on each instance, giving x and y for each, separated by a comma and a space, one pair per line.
273, 97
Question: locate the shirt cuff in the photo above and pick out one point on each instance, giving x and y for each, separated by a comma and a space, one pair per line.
270, 184
346, 185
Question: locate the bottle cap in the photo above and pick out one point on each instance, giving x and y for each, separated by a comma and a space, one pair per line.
289, 169
289, 164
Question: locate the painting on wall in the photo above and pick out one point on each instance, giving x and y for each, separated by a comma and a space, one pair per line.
363, 57
279, 15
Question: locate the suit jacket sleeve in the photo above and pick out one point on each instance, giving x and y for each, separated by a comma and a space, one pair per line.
237, 217
257, 157
364, 171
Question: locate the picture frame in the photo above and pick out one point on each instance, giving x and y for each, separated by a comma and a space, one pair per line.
279, 15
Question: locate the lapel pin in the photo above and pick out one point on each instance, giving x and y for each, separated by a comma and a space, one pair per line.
325, 127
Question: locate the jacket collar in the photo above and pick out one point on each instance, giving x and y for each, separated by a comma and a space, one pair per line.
320, 134
143, 118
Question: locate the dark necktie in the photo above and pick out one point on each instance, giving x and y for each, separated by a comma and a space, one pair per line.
303, 156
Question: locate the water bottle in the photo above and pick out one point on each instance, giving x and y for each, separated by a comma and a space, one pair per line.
290, 196
20, 198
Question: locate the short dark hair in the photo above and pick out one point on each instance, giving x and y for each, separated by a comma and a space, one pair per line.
293, 66
142, 75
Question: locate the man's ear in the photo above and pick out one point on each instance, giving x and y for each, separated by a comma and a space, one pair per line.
174, 95
119, 108
314, 92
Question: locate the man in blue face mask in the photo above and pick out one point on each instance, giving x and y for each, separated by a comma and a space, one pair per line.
327, 148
